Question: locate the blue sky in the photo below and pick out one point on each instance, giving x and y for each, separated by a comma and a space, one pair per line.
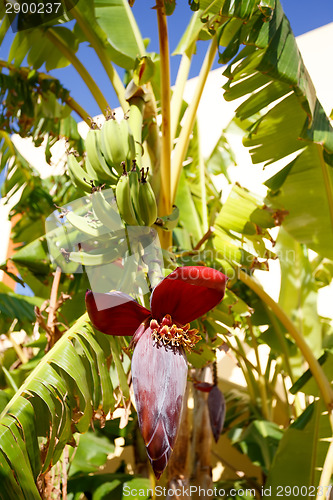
304, 16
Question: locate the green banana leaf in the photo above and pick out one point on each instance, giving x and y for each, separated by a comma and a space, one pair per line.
115, 18
17, 306
301, 453
27, 44
298, 293
70, 382
268, 69
188, 215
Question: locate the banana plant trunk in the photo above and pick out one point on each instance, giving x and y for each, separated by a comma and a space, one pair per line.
201, 439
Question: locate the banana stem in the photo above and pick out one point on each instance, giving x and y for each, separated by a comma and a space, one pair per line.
78, 109
177, 96
135, 120
88, 80
315, 368
184, 137
165, 207
103, 57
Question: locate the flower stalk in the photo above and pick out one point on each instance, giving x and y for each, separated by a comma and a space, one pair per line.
165, 206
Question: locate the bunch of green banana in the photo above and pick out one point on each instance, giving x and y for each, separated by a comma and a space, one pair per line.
147, 206
95, 161
124, 200
117, 143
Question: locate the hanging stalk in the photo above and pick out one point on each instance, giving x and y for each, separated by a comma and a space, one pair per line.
88, 80
184, 137
165, 205
78, 109
165, 106
103, 57
315, 368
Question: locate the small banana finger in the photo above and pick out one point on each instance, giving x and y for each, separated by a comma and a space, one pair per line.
147, 201
83, 225
78, 176
123, 196
106, 213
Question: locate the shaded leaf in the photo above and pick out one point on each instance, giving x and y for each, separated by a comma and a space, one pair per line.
302, 450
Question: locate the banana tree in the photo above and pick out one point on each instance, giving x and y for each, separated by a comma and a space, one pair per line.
141, 224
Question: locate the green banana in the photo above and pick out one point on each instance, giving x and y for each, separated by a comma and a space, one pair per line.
105, 212
90, 171
83, 225
97, 259
123, 196
95, 157
147, 201
117, 143
134, 179
78, 176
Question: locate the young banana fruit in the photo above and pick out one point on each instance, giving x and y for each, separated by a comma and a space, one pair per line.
105, 212
78, 176
117, 143
124, 202
134, 180
97, 259
83, 225
147, 205
96, 158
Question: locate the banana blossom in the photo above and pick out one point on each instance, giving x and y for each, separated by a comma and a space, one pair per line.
160, 338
